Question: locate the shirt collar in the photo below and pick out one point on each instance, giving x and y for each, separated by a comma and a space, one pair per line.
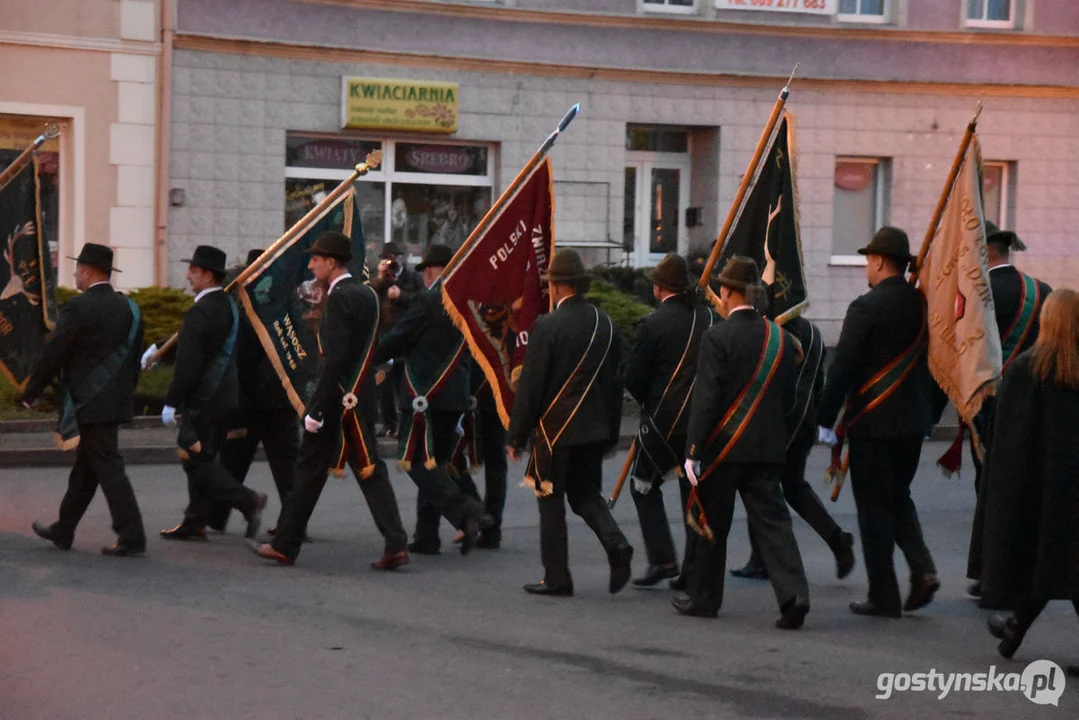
998, 267
741, 307
336, 280
99, 282
205, 292
568, 297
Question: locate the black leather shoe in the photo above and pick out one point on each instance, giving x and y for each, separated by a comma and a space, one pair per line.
620, 568
48, 533
542, 588
184, 532
686, 606
421, 548
922, 591
868, 607
120, 550
975, 589
655, 573
794, 613
489, 541
254, 518
844, 555
1072, 670
1006, 630
470, 532
750, 572
679, 583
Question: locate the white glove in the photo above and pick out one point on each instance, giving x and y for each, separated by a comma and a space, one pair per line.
693, 470
168, 416
312, 425
827, 436
148, 357
389, 363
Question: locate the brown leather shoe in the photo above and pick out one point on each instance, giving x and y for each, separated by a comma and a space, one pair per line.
267, 552
184, 532
922, 591
391, 560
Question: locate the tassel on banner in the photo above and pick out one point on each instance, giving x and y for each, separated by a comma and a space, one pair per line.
952, 459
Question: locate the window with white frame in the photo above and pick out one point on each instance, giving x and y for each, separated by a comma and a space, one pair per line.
997, 183
670, 6
860, 206
425, 191
991, 13
864, 11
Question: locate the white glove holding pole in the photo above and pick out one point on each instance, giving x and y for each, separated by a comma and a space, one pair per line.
168, 416
148, 357
312, 425
827, 436
693, 470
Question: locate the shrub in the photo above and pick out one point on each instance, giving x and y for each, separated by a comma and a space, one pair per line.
631, 281
64, 294
162, 311
150, 392
625, 310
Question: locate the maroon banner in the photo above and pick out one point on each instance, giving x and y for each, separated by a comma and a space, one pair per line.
493, 289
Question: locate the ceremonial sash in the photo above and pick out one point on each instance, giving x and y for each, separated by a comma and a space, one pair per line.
466, 453
807, 377
565, 405
1030, 300
74, 399
188, 438
352, 442
420, 437
869, 397
655, 429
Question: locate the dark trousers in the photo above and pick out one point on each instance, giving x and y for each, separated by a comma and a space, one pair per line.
209, 484
317, 454
1030, 608
450, 498
769, 521
279, 432
576, 474
800, 496
881, 472
389, 392
98, 462
655, 529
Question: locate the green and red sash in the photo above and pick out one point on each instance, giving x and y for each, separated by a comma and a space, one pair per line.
353, 442
420, 437
1012, 341
737, 419
870, 396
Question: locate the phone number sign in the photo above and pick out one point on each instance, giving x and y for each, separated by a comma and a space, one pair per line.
814, 7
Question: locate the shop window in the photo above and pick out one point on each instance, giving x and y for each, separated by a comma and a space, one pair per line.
864, 11
860, 206
424, 192
671, 6
17, 132
997, 185
991, 13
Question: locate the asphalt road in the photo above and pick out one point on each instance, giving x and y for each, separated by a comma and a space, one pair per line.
209, 630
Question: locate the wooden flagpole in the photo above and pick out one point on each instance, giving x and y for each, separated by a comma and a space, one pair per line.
51, 132
371, 162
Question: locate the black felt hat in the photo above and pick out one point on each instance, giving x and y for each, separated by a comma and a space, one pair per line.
672, 273
890, 242
391, 249
1007, 238
332, 244
96, 256
435, 256
253, 255
740, 273
209, 258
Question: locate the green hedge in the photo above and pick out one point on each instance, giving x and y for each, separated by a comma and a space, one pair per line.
625, 310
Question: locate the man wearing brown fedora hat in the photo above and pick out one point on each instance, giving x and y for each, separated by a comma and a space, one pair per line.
660, 376
569, 405
204, 387
737, 436
94, 349
879, 373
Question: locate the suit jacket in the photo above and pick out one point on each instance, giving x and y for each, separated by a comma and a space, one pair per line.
878, 327
1007, 287
730, 352
91, 326
806, 332
206, 327
349, 318
660, 343
260, 388
425, 337
556, 344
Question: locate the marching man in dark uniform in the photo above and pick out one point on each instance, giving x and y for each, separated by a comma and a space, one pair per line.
339, 421
204, 389
569, 404
434, 396
738, 432
660, 377
94, 350
880, 372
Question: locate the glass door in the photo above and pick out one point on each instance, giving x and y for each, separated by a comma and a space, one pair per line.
656, 197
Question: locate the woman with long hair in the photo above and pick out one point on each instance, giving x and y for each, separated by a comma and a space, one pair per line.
1031, 539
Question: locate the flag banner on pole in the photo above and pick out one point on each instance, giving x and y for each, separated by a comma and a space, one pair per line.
284, 304
766, 226
964, 345
493, 290
28, 298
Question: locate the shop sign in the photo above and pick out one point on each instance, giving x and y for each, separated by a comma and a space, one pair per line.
447, 159
813, 7
391, 104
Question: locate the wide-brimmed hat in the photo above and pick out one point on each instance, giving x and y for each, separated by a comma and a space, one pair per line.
890, 242
332, 244
209, 258
672, 273
96, 256
435, 256
740, 273
1007, 238
391, 249
566, 267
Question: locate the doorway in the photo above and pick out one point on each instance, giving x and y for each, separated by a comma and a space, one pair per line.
656, 198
